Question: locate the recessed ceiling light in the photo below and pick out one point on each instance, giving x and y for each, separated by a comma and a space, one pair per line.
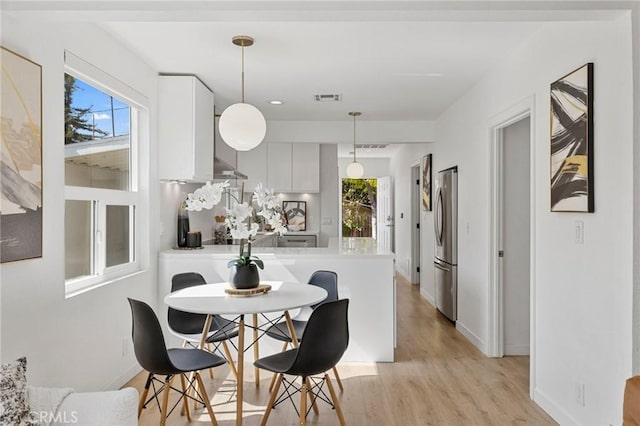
276, 102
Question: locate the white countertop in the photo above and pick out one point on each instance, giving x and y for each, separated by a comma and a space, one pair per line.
337, 247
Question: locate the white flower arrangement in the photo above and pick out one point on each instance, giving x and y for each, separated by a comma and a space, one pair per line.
239, 217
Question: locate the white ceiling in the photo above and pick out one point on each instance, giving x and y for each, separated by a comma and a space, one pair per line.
388, 70
393, 60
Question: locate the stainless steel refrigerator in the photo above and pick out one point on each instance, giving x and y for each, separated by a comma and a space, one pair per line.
446, 242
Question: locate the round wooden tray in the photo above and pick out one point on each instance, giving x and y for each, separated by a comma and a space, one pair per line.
246, 292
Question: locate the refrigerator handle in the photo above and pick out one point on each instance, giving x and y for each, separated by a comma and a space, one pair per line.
442, 268
437, 223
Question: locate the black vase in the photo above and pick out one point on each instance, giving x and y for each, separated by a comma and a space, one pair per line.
245, 277
183, 226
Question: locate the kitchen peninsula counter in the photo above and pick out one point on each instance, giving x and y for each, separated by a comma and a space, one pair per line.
365, 277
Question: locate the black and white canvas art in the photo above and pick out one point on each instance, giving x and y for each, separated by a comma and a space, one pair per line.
426, 182
296, 215
572, 142
20, 158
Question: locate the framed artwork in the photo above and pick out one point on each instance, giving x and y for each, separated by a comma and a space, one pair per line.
20, 158
296, 214
572, 142
426, 182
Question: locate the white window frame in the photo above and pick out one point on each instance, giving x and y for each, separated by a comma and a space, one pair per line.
102, 198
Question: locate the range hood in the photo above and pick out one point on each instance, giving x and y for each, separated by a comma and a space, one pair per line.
224, 170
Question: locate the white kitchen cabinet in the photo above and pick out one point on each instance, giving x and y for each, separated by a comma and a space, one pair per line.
279, 166
293, 167
185, 130
305, 167
253, 163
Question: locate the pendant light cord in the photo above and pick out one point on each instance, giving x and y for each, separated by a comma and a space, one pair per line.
354, 138
242, 73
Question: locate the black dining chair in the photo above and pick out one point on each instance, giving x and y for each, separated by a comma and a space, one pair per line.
152, 355
326, 338
327, 280
188, 326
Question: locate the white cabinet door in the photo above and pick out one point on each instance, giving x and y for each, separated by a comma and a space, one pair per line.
305, 167
185, 129
253, 163
279, 166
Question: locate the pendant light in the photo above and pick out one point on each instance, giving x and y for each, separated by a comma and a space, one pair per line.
355, 170
242, 126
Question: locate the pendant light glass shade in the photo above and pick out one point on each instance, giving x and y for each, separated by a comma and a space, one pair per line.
242, 126
355, 170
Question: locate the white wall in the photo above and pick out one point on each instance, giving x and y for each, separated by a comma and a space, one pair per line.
583, 293
373, 167
400, 168
77, 341
329, 193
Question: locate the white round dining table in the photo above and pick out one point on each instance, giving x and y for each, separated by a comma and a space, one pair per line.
211, 299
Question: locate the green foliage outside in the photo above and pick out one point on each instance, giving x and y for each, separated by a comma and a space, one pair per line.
76, 127
359, 207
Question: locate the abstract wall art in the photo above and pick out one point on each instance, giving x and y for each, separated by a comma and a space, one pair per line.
572, 142
426, 182
20, 158
296, 215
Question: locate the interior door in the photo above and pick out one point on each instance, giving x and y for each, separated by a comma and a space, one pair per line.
384, 214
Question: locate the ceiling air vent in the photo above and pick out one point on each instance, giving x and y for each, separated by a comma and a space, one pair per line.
328, 97
372, 146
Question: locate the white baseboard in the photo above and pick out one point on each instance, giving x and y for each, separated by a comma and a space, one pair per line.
477, 342
516, 350
554, 410
120, 381
429, 298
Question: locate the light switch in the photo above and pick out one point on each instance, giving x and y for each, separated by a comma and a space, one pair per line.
578, 229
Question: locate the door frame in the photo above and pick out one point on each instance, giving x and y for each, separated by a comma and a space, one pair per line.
495, 347
416, 219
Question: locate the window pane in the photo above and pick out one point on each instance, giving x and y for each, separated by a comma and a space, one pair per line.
119, 230
97, 137
78, 218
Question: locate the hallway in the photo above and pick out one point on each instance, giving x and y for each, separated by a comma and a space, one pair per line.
439, 378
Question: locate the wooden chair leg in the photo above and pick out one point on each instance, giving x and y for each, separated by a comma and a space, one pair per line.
185, 399
211, 369
303, 402
335, 373
272, 399
334, 398
207, 403
165, 400
312, 397
232, 365
273, 379
145, 392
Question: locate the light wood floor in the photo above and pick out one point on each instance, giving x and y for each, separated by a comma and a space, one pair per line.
439, 378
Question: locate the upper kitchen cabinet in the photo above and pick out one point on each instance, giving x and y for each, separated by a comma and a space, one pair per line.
305, 167
293, 167
254, 164
185, 130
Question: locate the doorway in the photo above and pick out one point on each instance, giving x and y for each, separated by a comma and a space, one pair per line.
512, 253
359, 207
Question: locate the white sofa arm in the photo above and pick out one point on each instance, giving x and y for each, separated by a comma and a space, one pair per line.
99, 408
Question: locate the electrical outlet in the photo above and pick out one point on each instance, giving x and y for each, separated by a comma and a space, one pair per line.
580, 388
578, 228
